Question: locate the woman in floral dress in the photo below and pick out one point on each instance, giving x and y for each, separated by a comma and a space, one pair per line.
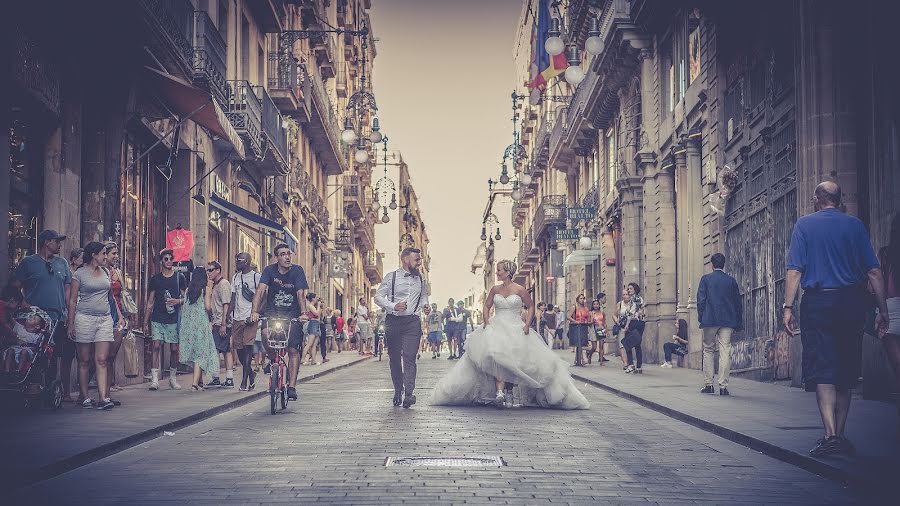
196, 341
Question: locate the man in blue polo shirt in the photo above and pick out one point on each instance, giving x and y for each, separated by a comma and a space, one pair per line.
831, 258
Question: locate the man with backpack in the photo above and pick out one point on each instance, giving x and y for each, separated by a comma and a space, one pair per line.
243, 331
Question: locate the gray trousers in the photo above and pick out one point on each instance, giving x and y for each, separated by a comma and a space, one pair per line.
402, 335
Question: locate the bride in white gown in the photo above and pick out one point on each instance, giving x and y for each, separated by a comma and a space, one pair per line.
506, 352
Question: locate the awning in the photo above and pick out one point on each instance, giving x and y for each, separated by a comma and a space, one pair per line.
246, 216
203, 109
290, 239
581, 257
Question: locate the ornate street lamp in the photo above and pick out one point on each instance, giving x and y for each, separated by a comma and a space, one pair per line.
385, 186
555, 45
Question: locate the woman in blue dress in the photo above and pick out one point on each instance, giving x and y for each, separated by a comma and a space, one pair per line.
196, 339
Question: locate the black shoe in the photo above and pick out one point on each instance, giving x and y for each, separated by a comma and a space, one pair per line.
268, 368
723, 391
708, 389
292, 394
846, 446
215, 383
409, 400
243, 387
398, 398
252, 384
115, 402
229, 383
434, 355
827, 446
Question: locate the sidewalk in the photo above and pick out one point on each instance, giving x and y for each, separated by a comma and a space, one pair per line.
42, 444
777, 420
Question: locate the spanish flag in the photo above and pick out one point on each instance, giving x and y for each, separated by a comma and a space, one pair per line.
543, 66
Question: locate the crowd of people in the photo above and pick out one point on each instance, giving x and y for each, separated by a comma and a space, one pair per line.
207, 322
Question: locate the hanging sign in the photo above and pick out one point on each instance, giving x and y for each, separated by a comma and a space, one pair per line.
580, 213
566, 234
181, 242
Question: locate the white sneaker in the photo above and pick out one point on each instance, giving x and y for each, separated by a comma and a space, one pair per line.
173, 384
629, 369
666, 365
154, 379
154, 385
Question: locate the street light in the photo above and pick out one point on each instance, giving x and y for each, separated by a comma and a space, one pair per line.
375, 137
349, 134
593, 45
384, 217
574, 74
554, 44
361, 155
525, 179
504, 175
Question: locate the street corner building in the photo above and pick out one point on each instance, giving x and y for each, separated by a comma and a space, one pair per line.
214, 124
691, 128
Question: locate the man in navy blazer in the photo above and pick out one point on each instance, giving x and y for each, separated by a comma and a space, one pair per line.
719, 310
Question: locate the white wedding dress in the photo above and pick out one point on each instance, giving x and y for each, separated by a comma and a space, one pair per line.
502, 350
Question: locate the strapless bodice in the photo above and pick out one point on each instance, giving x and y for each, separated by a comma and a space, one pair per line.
510, 305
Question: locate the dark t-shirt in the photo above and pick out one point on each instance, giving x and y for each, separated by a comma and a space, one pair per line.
281, 297
164, 288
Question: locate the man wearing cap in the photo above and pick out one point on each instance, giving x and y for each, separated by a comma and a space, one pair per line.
161, 316
45, 278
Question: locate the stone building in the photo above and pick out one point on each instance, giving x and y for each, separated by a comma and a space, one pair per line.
209, 116
779, 95
413, 233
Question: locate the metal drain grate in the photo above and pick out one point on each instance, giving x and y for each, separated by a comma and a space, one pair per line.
444, 462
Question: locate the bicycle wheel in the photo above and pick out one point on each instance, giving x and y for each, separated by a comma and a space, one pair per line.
284, 398
273, 388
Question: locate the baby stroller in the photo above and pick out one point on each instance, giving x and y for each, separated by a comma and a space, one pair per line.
37, 384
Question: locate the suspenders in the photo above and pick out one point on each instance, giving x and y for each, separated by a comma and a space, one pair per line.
421, 289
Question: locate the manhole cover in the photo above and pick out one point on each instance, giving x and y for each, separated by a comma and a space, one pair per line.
444, 462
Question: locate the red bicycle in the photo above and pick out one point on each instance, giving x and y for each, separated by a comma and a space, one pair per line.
278, 329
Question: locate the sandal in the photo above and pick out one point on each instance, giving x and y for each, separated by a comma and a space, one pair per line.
197, 388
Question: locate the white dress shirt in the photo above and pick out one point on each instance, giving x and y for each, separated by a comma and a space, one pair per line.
406, 288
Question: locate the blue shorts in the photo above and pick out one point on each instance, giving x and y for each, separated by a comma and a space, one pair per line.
223, 343
434, 337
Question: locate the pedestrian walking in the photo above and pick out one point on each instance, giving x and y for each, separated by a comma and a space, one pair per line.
45, 280
402, 295
597, 333
720, 314
579, 319
76, 259
831, 258
450, 324
328, 327
678, 346
560, 315
197, 336
549, 318
311, 329
120, 326
164, 300
340, 334
435, 321
218, 297
890, 261
537, 322
90, 323
243, 331
364, 327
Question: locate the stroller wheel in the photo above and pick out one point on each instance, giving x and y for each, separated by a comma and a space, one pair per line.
55, 395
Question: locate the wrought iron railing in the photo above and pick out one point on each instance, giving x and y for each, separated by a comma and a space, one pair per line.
552, 210
210, 53
173, 19
245, 112
591, 199
328, 114
559, 129
271, 121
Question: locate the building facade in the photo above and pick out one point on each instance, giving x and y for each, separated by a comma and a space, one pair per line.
704, 127
210, 117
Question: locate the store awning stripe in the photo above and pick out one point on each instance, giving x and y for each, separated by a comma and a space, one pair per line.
582, 257
248, 216
185, 99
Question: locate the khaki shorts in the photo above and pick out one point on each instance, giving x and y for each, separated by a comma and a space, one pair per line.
243, 334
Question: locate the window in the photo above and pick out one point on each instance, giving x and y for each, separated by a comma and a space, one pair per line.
245, 49
222, 20
693, 33
668, 75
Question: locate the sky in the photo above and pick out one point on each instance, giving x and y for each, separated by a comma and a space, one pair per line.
442, 77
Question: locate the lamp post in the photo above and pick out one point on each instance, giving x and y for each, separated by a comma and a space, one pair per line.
555, 44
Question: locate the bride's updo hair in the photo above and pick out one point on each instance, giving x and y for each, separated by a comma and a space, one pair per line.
508, 266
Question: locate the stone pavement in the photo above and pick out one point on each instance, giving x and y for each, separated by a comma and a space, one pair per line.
778, 420
331, 447
47, 443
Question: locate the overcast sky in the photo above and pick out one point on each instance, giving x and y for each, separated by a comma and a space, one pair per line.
442, 78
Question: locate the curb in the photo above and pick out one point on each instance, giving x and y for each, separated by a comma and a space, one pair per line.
802, 461
87, 457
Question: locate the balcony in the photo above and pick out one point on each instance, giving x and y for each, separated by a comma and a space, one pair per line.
353, 198
287, 80
209, 57
340, 83
323, 130
325, 53
169, 25
269, 14
273, 148
550, 213
364, 234
245, 113
540, 152
372, 265
561, 156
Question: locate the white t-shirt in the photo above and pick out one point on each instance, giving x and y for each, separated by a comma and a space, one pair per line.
363, 313
243, 307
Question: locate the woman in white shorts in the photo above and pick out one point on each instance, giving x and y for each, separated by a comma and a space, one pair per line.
90, 323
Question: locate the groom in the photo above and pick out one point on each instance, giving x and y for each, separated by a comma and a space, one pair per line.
402, 295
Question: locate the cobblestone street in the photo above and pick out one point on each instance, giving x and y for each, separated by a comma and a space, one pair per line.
332, 446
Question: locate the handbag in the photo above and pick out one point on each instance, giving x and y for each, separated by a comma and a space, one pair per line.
246, 292
129, 306
616, 329
132, 357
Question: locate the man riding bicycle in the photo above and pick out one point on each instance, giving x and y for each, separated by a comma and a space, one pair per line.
282, 287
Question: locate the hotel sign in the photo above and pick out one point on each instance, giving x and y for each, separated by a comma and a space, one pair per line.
580, 213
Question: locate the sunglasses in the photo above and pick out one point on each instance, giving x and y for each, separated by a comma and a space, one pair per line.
49, 268
211, 269
167, 259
